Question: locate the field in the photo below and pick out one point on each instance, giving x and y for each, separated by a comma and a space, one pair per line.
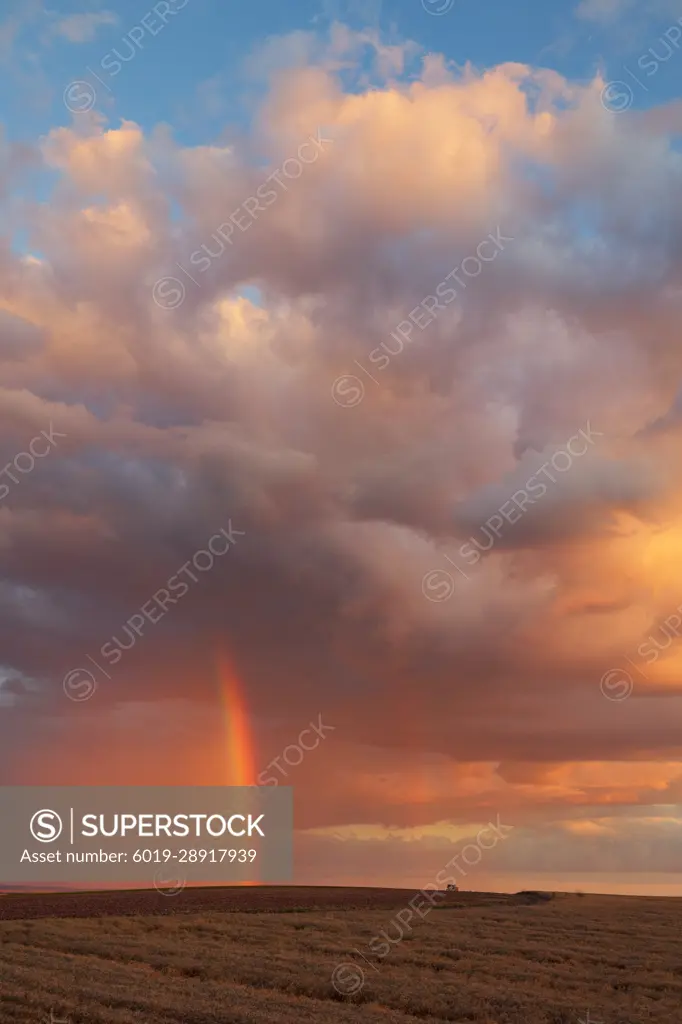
266, 954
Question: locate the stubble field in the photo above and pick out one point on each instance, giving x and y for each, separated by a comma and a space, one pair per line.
293, 956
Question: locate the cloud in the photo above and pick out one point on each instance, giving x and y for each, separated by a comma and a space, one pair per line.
609, 12
178, 420
83, 27
604, 11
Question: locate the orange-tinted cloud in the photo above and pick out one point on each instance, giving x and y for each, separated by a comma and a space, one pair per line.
455, 693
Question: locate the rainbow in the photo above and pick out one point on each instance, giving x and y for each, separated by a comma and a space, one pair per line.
240, 769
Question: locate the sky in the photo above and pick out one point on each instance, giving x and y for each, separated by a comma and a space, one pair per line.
340, 415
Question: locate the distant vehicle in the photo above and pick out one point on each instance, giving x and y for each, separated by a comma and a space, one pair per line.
452, 887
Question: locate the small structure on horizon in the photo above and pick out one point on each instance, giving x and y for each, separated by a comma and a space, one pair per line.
452, 887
